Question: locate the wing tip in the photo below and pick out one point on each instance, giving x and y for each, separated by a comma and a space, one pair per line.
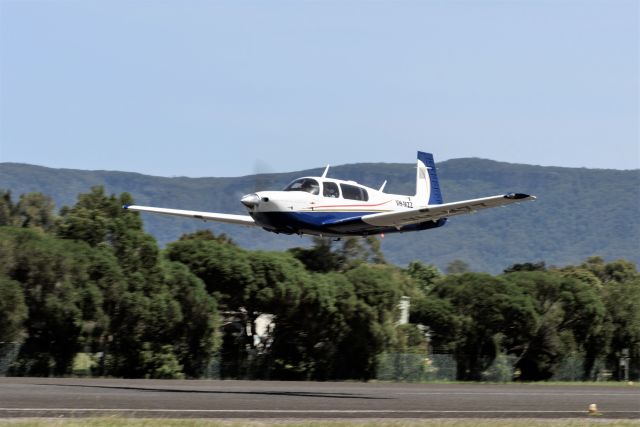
519, 196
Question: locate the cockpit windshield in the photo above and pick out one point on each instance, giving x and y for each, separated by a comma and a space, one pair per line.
304, 184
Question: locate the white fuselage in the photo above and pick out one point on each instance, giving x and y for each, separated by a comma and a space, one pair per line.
327, 206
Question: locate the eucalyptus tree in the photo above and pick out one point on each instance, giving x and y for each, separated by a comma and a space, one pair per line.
52, 274
490, 315
13, 311
618, 284
568, 319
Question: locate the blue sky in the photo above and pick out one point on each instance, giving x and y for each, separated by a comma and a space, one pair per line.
221, 88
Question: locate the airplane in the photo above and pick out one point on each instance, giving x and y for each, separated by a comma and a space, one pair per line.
330, 207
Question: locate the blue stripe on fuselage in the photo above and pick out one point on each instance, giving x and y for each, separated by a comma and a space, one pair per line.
306, 219
339, 223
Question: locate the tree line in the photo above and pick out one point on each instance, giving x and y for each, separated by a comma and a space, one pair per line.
89, 280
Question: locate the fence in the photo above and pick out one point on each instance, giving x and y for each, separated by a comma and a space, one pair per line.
421, 367
412, 367
8, 353
409, 367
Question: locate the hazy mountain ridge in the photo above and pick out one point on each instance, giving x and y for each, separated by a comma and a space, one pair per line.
579, 212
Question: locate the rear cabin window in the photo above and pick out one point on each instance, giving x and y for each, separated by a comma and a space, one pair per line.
353, 192
304, 184
330, 189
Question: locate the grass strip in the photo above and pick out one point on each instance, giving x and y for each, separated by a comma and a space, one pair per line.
163, 422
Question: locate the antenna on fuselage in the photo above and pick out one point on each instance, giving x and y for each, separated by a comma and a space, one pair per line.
382, 186
324, 174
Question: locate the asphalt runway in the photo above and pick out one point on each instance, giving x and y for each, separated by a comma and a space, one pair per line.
74, 397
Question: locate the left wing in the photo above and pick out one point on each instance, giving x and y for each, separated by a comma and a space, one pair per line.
205, 216
445, 210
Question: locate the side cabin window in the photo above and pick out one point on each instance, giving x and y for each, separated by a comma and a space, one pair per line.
304, 184
354, 193
330, 189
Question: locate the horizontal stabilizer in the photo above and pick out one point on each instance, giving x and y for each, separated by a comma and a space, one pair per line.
205, 216
446, 210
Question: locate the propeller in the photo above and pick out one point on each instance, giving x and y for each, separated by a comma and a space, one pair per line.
263, 176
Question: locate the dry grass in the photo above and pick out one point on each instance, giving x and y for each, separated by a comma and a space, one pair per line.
129, 422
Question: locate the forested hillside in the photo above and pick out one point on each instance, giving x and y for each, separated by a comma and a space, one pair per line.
579, 212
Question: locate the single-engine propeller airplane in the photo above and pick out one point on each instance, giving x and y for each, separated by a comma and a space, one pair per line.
334, 208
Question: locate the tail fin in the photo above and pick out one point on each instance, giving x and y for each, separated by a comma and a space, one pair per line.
427, 186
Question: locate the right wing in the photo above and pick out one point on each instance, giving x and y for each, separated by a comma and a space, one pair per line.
435, 212
205, 216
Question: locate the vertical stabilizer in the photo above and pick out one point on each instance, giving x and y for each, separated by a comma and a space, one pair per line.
427, 186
